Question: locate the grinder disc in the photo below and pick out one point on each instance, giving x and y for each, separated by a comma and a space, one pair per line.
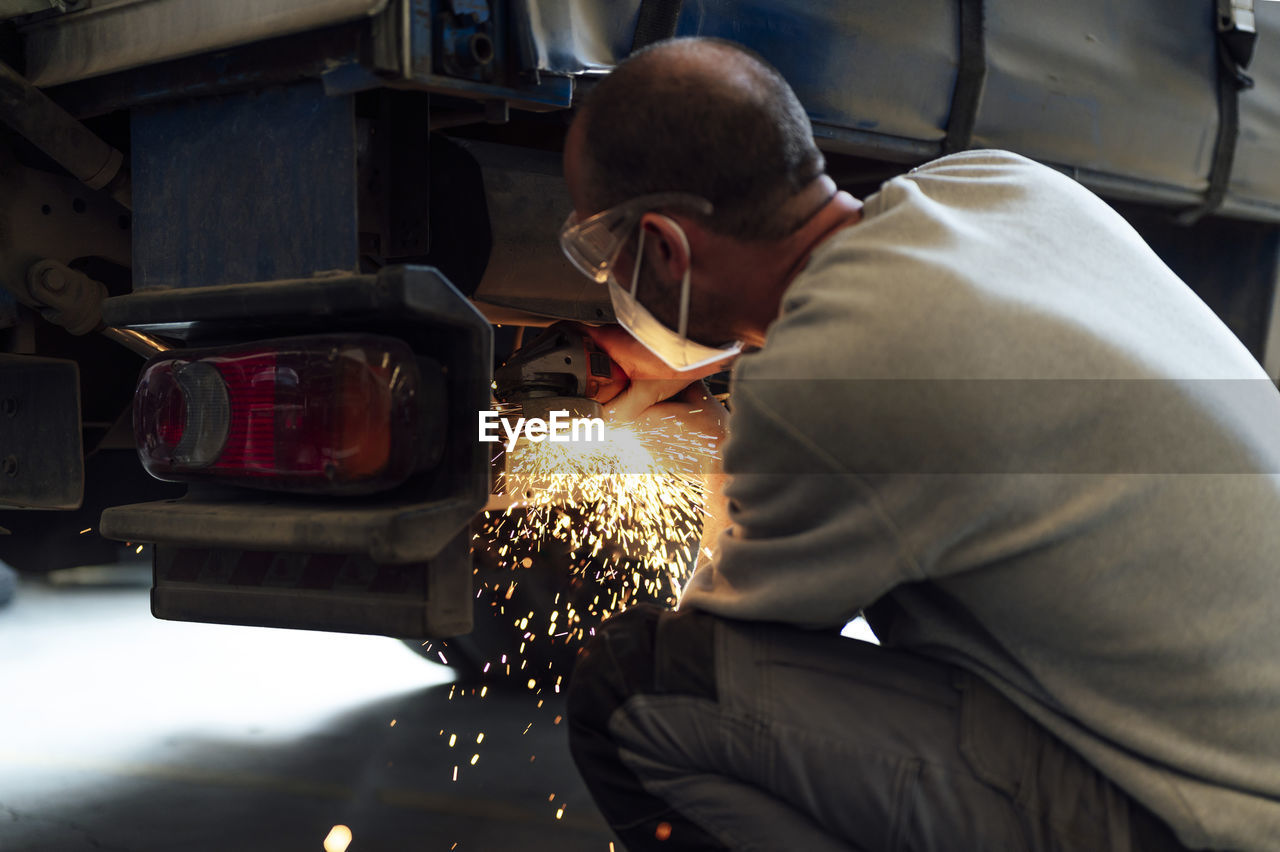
577, 406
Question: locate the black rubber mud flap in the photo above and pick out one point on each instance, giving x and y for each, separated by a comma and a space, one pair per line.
317, 591
41, 456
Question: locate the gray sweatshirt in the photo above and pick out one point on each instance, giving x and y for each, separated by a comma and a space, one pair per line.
992, 412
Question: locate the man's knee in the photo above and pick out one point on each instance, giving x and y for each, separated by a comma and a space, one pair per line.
643, 650
615, 664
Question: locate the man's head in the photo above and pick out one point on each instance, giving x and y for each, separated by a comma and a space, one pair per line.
704, 117
712, 120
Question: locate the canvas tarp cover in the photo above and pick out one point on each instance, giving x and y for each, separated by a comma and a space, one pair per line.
1122, 95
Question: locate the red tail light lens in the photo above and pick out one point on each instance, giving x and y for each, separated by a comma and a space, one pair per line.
348, 414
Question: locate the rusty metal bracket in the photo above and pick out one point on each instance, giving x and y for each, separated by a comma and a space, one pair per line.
65, 297
48, 216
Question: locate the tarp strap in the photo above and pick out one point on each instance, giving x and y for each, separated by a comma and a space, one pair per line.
971, 76
1235, 49
656, 22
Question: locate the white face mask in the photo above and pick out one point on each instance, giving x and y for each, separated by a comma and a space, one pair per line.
673, 348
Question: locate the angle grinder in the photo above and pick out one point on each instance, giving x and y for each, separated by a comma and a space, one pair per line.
560, 370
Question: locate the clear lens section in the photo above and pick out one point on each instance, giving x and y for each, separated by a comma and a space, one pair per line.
593, 244
330, 414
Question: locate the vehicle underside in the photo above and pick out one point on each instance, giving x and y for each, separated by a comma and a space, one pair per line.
269, 178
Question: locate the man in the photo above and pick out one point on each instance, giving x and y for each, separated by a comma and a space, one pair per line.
983, 412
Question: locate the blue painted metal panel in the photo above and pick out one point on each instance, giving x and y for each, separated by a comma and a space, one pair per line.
254, 186
516, 82
886, 67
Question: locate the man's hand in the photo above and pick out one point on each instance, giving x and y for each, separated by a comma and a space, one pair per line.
698, 412
650, 380
694, 412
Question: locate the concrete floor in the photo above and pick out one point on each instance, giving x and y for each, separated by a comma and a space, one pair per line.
119, 732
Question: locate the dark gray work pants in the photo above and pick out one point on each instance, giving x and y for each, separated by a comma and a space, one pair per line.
695, 732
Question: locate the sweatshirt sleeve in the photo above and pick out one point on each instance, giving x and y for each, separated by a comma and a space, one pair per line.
808, 544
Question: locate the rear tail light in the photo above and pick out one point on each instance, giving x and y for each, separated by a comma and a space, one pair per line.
348, 414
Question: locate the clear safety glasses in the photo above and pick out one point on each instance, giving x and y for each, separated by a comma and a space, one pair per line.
592, 244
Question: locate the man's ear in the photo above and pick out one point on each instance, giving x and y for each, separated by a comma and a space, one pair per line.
666, 247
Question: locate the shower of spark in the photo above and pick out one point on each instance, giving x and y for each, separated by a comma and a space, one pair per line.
635, 489
592, 527
627, 509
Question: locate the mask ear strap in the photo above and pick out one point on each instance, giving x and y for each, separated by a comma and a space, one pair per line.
635, 269
686, 288
684, 306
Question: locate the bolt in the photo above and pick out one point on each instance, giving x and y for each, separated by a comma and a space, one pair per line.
481, 48
10, 465
53, 280
9, 406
